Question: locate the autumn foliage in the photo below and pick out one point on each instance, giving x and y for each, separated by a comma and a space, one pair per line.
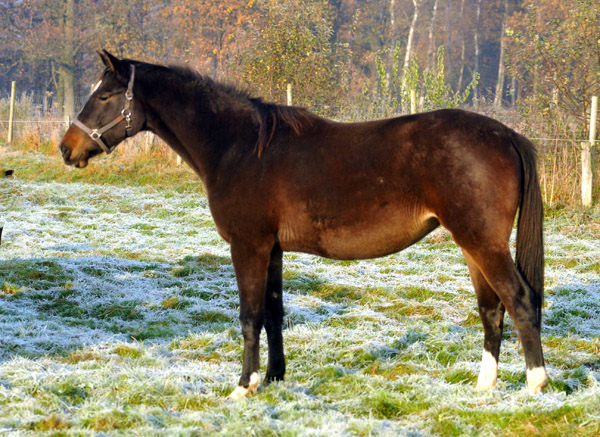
333, 52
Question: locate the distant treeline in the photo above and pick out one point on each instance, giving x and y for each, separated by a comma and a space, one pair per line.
446, 52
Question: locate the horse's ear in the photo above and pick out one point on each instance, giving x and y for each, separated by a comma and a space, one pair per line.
117, 66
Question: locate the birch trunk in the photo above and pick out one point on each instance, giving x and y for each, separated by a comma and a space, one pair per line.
501, 67
462, 45
409, 44
392, 42
448, 32
67, 67
476, 38
430, 50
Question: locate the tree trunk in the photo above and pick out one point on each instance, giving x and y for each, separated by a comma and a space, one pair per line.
392, 42
409, 44
462, 46
355, 18
513, 91
393, 22
67, 67
430, 55
476, 38
447, 30
501, 67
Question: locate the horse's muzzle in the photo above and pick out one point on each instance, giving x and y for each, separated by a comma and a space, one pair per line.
79, 161
65, 151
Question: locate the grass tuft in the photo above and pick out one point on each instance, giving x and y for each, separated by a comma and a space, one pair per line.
124, 350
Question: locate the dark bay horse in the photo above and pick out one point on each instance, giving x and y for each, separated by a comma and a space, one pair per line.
282, 179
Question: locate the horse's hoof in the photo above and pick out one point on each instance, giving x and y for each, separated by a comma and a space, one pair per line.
241, 392
537, 379
485, 386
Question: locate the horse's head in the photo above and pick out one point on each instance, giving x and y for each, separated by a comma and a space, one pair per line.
111, 114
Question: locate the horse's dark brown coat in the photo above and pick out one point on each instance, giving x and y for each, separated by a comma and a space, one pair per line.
282, 179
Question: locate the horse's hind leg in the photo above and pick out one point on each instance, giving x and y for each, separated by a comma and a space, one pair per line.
491, 311
502, 275
274, 316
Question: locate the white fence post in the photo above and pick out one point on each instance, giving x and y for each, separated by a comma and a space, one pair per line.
289, 94
587, 161
11, 113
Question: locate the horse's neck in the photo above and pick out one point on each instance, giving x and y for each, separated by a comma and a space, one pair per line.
197, 129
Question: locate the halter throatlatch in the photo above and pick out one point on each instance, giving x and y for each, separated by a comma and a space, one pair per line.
125, 115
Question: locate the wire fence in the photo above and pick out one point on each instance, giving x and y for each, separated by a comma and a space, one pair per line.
37, 119
39, 106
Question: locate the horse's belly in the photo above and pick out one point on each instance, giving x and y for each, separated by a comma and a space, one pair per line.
365, 239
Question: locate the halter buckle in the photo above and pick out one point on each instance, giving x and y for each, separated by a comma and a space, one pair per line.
126, 113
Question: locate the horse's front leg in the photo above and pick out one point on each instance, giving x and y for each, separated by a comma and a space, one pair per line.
250, 261
274, 316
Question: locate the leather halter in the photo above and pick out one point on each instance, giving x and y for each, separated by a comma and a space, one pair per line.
125, 115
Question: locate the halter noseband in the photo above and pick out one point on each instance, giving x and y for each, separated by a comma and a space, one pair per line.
125, 115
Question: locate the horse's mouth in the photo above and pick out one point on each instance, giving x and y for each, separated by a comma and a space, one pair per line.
82, 163
79, 161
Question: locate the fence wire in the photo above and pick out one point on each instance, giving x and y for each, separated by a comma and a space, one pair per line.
559, 158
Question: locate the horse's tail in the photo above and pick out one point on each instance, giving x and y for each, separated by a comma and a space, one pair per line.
530, 238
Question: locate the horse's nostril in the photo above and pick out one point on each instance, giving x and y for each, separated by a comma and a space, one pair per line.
65, 151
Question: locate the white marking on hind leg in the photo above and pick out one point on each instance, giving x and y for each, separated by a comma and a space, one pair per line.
241, 392
537, 379
488, 373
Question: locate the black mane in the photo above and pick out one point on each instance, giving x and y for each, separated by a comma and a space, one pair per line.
271, 117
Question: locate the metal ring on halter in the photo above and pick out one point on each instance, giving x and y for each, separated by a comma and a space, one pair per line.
126, 113
95, 135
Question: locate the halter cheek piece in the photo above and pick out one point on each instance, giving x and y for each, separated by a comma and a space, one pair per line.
125, 115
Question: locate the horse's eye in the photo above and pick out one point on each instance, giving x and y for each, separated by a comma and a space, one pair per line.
103, 98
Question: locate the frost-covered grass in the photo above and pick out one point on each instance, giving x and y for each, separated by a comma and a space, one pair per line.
118, 313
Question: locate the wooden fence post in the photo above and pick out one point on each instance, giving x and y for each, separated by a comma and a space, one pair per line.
148, 142
289, 94
587, 161
11, 113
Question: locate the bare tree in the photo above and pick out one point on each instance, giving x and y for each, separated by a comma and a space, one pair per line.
476, 40
462, 45
67, 65
409, 42
430, 50
501, 63
448, 32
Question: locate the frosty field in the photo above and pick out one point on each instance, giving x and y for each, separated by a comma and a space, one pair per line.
118, 314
